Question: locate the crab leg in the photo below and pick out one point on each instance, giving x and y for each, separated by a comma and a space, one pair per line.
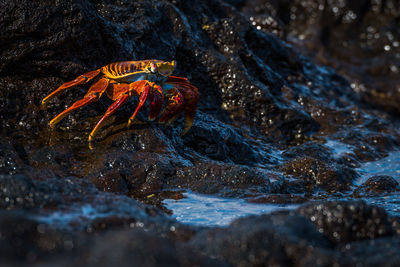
177, 79
142, 88
156, 99
139, 87
94, 93
81, 79
145, 89
111, 109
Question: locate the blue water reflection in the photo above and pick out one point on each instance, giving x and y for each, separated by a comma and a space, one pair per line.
207, 210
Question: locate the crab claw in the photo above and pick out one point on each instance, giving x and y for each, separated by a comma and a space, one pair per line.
174, 106
190, 95
156, 99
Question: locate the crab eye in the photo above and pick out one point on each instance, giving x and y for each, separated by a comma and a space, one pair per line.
153, 67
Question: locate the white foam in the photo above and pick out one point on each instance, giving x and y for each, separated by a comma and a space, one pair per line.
389, 165
207, 210
338, 148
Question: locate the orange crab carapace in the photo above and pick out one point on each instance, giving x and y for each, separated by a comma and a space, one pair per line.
147, 79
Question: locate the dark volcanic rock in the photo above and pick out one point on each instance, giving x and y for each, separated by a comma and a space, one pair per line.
20, 192
10, 162
23, 239
282, 238
279, 239
359, 38
219, 141
237, 179
396, 224
316, 173
142, 249
344, 222
381, 251
378, 184
72, 203
265, 120
286, 238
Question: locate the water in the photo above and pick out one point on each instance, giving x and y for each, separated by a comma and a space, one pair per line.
338, 148
207, 210
197, 209
390, 202
63, 218
389, 165
78, 216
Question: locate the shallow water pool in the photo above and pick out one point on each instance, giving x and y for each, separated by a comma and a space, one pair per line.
389, 165
207, 210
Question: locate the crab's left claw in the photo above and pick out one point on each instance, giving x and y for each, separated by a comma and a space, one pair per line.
190, 95
174, 106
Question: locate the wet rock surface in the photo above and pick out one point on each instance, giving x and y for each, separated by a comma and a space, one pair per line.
344, 222
359, 39
379, 184
315, 173
274, 125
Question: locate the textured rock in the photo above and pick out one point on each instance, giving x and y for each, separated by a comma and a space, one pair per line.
359, 39
346, 221
264, 240
378, 184
316, 173
266, 122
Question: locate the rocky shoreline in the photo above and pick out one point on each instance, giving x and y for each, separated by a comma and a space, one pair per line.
283, 84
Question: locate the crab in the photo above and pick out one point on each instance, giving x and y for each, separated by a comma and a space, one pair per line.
148, 79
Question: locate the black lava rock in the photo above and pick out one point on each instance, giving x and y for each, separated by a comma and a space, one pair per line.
346, 221
265, 119
378, 184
